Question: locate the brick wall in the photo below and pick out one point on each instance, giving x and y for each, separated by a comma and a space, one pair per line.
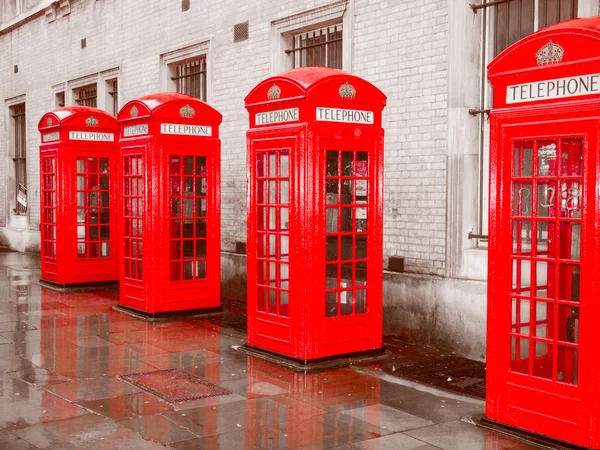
401, 46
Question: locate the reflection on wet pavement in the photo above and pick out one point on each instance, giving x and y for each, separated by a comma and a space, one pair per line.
61, 354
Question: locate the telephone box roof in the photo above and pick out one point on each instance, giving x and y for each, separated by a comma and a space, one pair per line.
578, 38
313, 82
68, 115
164, 102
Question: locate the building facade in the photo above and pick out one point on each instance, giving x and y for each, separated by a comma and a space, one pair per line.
427, 56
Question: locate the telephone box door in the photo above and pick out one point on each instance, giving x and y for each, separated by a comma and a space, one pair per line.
539, 298
352, 250
270, 217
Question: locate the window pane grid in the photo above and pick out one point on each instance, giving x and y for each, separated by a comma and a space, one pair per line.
546, 228
93, 207
133, 194
321, 47
272, 200
346, 214
48, 204
188, 197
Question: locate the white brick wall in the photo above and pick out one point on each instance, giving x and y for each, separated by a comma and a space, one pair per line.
402, 48
400, 45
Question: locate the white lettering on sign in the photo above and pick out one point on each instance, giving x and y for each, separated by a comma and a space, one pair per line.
278, 116
91, 136
188, 130
344, 115
551, 89
48, 137
135, 130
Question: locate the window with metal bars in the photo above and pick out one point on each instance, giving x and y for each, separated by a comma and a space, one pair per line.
190, 78
321, 47
114, 93
87, 96
20, 157
515, 19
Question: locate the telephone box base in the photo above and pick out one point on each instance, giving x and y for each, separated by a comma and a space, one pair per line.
519, 434
169, 316
76, 287
315, 365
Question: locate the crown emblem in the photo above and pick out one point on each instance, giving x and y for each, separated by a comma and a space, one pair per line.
550, 53
347, 91
274, 92
133, 112
49, 122
91, 122
187, 111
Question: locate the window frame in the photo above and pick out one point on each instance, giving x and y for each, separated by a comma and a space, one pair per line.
284, 30
169, 62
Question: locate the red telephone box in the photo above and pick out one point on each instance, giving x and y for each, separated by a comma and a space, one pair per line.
543, 248
78, 171
315, 175
170, 157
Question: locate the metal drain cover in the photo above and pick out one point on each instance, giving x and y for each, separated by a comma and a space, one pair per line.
173, 385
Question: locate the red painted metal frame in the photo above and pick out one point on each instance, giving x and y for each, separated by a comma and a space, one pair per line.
154, 224
61, 263
547, 382
300, 329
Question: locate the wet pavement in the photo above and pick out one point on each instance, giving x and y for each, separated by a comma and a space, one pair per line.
64, 361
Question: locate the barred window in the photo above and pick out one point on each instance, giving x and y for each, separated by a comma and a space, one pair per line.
515, 19
190, 78
20, 156
320, 47
113, 91
86, 95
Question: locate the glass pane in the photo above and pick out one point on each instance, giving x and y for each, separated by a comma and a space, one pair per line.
347, 193
272, 164
360, 275
332, 163
347, 162
284, 192
345, 303
200, 269
544, 317
260, 297
188, 270
521, 276
570, 240
546, 202
361, 301
284, 170
332, 220
200, 165
521, 316
570, 199
331, 304
521, 237
200, 248
347, 247
361, 246
347, 220
571, 157
331, 197
542, 362
544, 279
522, 199
522, 159
567, 365
546, 159
568, 282
332, 248
519, 361
568, 323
